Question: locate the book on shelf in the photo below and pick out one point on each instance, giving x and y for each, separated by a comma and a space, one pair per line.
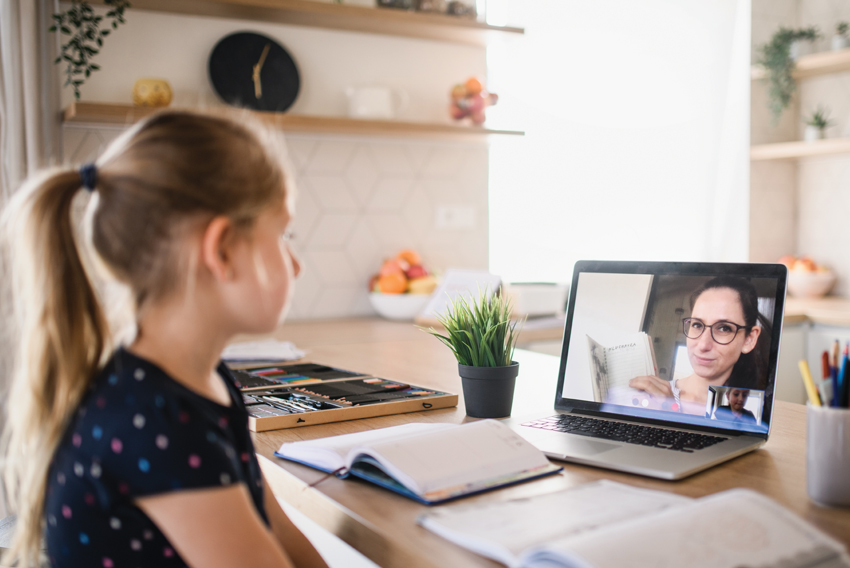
430, 463
612, 367
604, 524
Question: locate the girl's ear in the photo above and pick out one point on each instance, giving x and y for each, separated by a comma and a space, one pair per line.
217, 248
751, 339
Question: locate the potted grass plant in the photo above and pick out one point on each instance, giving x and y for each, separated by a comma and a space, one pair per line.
840, 40
816, 124
482, 336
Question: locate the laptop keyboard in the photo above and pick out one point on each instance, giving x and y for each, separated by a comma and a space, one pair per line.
624, 432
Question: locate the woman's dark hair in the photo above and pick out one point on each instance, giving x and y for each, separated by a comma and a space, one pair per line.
750, 371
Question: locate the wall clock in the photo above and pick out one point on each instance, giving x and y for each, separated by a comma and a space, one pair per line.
253, 71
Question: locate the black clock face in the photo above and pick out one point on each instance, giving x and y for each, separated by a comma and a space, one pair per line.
253, 71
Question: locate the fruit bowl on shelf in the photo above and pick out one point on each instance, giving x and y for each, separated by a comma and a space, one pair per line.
810, 284
398, 307
807, 278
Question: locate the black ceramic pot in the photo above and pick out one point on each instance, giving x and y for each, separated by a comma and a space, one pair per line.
488, 391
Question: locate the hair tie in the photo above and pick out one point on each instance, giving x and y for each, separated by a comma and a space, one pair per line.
88, 176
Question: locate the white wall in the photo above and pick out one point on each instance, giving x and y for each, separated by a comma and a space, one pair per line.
637, 142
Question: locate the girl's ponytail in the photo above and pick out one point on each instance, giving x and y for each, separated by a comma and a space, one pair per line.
61, 336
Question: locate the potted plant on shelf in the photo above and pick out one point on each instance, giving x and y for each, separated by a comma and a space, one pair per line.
85, 38
777, 58
482, 337
816, 124
840, 40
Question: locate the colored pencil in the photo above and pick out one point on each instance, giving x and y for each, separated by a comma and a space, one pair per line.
814, 397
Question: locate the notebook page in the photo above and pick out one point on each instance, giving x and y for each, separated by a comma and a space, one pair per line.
330, 453
627, 360
471, 452
734, 528
502, 531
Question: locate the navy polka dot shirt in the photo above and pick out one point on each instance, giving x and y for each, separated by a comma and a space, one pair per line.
137, 433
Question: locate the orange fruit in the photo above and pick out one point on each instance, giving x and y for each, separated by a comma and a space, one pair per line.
473, 86
392, 283
410, 256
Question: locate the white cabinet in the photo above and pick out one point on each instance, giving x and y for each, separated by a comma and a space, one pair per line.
792, 348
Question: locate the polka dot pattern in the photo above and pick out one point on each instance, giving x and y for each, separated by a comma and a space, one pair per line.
139, 433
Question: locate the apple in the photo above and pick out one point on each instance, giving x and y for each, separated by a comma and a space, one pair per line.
456, 112
416, 271
458, 92
373, 283
477, 104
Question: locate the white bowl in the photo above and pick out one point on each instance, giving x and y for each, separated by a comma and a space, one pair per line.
810, 284
400, 307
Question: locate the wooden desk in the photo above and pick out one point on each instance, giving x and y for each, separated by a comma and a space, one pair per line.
382, 525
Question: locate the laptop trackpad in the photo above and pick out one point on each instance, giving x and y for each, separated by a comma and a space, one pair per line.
570, 446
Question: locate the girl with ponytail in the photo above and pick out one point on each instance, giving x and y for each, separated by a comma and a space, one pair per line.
139, 455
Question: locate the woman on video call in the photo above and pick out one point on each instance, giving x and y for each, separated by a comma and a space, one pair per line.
723, 344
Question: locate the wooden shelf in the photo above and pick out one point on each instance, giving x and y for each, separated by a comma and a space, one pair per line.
815, 64
125, 115
793, 150
385, 21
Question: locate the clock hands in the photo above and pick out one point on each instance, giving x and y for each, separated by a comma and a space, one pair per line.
255, 75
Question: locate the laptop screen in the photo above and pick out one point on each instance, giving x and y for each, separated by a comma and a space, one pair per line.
685, 343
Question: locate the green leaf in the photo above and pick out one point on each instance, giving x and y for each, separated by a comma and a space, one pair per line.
479, 330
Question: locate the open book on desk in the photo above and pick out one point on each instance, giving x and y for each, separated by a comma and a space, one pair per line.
430, 463
604, 524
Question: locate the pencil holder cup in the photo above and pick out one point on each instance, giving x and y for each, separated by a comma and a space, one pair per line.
488, 392
828, 455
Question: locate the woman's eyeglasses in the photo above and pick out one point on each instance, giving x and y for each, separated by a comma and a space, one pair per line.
722, 332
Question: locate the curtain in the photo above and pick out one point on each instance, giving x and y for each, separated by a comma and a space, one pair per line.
30, 128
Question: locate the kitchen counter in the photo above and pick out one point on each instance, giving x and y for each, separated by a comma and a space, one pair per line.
829, 310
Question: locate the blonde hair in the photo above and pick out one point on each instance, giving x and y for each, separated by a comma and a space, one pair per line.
168, 170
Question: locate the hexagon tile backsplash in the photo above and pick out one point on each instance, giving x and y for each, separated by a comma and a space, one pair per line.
362, 199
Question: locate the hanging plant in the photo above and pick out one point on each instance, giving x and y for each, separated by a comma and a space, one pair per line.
775, 57
85, 38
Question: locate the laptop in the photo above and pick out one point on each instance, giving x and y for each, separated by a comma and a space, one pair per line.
667, 368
